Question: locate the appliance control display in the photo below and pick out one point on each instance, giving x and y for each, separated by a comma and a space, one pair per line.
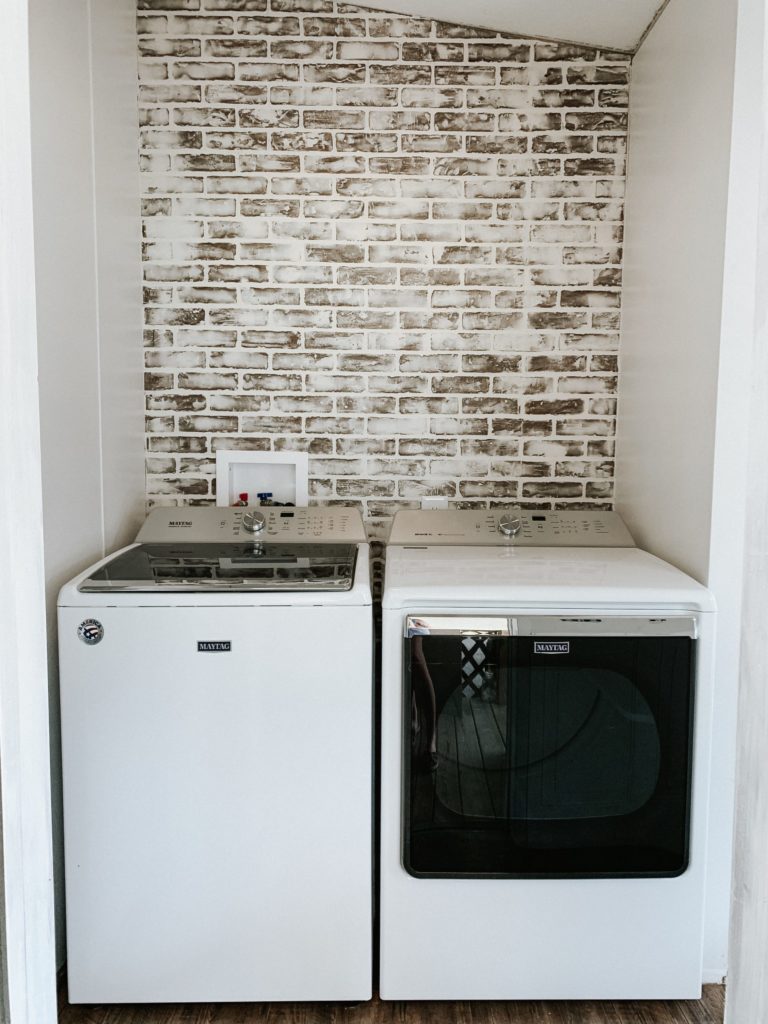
510, 528
209, 524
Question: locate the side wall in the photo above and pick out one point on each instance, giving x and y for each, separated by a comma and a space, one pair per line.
88, 300
391, 242
747, 997
680, 472
27, 952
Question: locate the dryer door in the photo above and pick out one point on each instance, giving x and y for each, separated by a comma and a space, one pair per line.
547, 746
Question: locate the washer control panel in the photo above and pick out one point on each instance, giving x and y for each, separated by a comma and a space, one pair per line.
511, 528
210, 524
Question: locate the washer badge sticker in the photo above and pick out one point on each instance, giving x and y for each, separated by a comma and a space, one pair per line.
90, 631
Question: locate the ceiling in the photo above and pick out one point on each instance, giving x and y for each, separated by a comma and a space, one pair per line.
614, 24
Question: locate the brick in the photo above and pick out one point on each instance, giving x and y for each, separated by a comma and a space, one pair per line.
398, 384
400, 74
504, 98
269, 207
365, 187
596, 121
598, 74
240, 272
563, 52
354, 51
271, 425
333, 119
265, 72
398, 165
338, 26
367, 96
430, 97
302, 141
239, 359
235, 93
375, 404
463, 166
267, 118
334, 297
237, 229
170, 140
235, 48
455, 74
268, 26
201, 71
343, 73
433, 52
170, 48
207, 424
300, 50
497, 53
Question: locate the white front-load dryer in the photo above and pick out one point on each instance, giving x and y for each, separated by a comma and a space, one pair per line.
546, 691
216, 699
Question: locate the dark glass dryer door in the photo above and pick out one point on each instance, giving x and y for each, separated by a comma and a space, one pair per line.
546, 746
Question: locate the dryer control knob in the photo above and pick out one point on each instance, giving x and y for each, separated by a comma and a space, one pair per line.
510, 526
254, 522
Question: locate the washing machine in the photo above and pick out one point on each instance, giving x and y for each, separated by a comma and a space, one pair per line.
216, 699
546, 692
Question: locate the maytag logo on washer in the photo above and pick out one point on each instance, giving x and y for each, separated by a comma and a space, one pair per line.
551, 647
90, 631
214, 645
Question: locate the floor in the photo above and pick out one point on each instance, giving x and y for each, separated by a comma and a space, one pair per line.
708, 1011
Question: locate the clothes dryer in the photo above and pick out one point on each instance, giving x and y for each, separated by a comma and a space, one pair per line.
216, 696
546, 691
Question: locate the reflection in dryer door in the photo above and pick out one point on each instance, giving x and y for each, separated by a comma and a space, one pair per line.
547, 757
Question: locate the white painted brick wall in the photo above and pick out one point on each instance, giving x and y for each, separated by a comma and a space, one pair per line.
390, 242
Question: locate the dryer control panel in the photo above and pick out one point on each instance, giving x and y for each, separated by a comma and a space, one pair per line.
210, 524
510, 528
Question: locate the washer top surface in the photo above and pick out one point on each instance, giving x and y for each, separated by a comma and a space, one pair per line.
196, 553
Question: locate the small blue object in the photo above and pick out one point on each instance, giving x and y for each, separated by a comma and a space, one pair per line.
263, 495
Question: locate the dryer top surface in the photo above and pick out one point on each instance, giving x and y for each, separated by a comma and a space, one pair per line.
541, 577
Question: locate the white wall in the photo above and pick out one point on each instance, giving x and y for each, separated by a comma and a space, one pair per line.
26, 914
747, 996
748, 980
684, 368
87, 251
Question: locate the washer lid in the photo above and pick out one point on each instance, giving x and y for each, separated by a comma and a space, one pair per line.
191, 568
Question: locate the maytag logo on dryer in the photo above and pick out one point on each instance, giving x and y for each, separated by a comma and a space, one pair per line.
551, 647
180, 522
214, 646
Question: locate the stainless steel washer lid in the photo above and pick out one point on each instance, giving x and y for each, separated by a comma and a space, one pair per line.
226, 567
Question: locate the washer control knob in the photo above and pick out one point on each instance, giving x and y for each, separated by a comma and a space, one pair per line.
510, 525
254, 522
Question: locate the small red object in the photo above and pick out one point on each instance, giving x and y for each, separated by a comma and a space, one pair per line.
243, 496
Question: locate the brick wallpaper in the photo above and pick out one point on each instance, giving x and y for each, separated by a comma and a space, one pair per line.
390, 242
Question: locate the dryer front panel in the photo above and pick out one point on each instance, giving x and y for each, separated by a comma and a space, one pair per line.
547, 747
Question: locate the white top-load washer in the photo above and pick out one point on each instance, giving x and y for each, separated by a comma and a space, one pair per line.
546, 691
216, 697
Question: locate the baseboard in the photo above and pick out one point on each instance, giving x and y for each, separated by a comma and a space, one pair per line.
714, 976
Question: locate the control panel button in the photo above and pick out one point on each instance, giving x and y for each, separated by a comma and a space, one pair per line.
254, 522
510, 526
